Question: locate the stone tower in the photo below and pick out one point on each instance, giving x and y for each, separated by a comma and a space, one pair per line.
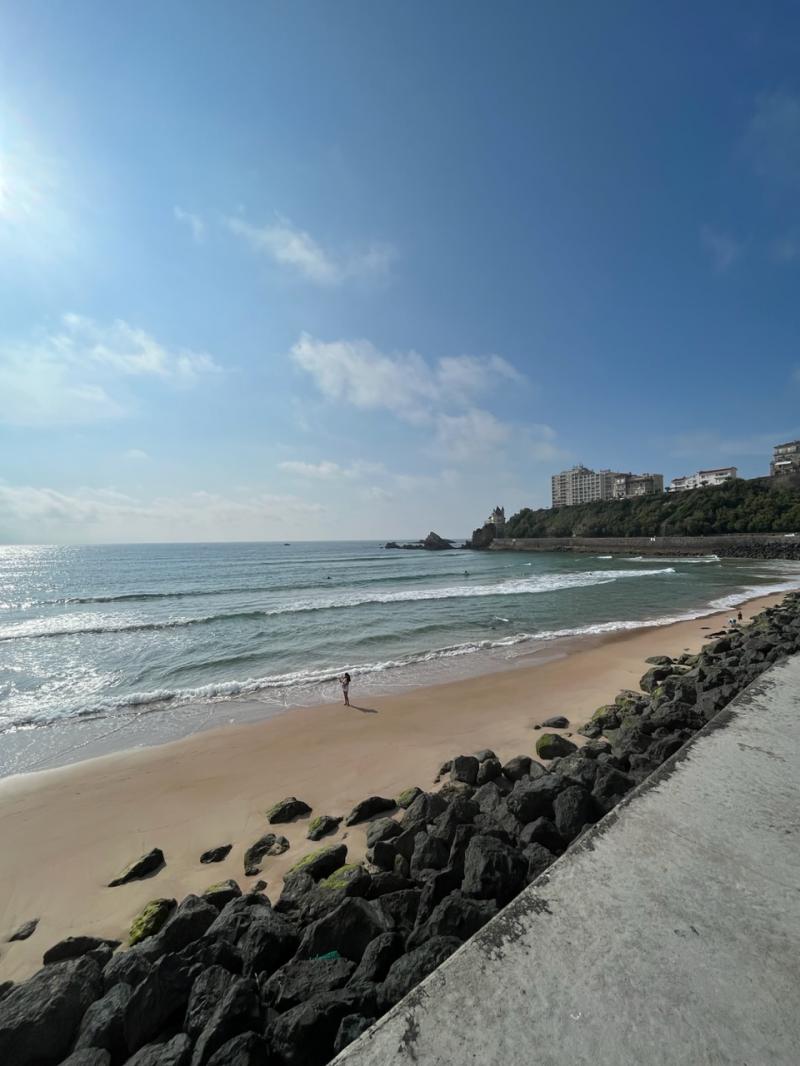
498, 520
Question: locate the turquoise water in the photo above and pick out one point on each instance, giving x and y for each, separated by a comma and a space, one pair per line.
117, 634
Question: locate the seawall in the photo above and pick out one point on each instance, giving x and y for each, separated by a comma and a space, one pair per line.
669, 935
730, 546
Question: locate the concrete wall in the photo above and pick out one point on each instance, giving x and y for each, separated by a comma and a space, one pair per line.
669, 936
755, 545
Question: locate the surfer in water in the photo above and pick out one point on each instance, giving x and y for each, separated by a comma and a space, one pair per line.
344, 681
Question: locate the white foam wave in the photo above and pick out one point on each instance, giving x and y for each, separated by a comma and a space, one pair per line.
742, 595
77, 624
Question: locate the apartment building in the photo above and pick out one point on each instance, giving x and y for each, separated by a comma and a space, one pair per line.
785, 459
581, 485
627, 486
702, 479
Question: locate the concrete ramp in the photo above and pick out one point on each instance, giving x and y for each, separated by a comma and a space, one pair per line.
669, 935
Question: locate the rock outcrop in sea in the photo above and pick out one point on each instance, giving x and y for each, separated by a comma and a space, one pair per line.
433, 542
227, 979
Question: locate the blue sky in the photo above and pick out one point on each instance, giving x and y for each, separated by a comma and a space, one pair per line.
334, 270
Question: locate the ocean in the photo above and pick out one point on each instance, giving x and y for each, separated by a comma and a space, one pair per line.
111, 646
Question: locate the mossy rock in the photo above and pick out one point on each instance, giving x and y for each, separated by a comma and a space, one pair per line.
606, 717
150, 919
659, 660
407, 797
553, 746
322, 862
322, 826
221, 893
340, 879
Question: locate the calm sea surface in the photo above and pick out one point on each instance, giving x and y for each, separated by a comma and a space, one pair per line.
118, 645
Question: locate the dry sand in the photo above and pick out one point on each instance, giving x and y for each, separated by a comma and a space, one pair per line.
65, 833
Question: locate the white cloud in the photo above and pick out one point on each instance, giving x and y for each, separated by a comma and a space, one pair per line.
328, 471
358, 373
84, 513
136, 454
476, 432
71, 375
772, 138
723, 249
297, 249
194, 222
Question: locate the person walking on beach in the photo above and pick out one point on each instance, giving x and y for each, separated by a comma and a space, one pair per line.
344, 681
739, 614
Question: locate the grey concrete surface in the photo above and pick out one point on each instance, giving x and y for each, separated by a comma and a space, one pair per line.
670, 934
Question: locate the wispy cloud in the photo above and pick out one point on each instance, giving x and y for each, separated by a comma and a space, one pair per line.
89, 513
295, 248
329, 471
723, 249
71, 375
136, 455
772, 138
194, 222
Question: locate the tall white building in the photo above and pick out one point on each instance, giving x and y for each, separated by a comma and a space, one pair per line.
702, 479
785, 459
581, 485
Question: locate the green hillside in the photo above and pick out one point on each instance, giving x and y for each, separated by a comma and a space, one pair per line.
759, 506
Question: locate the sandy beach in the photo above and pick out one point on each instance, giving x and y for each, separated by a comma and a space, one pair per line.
66, 832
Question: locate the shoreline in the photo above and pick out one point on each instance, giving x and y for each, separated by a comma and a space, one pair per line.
83, 822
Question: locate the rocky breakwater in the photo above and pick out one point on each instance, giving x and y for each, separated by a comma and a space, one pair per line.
432, 543
227, 979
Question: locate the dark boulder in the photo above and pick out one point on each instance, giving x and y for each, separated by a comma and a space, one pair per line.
296, 887
207, 993
576, 769
5, 988
239, 1011
174, 1052
383, 855
489, 770
451, 790
141, 867
323, 825
25, 930
399, 910
269, 844
322, 862
189, 922
558, 721
305, 1035
350, 1029
126, 967
572, 810
458, 849
436, 888
382, 829
40, 1017
430, 853
287, 810
659, 660
413, 967
454, 916
484, 754
610, 785
518, 767
529, 800
653, 677
385, 882
159, 1000
492, 870
378, 956
88, 1056
270, 940
464, 768
205, 953
553, 746
221, 893
246, 1049
541, 831
368, 808
101, 1026
425, 808
72, 947
302, 978
216, 854
235, 917
348, 929
665, 747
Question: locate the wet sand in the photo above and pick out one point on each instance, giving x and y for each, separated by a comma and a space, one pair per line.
66, 832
